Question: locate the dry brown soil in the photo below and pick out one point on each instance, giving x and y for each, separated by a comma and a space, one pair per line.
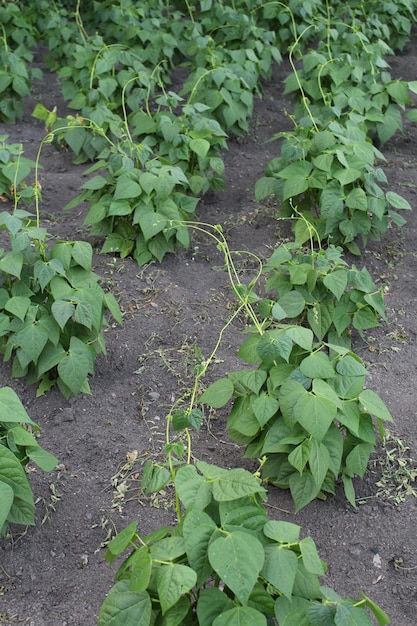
54, 574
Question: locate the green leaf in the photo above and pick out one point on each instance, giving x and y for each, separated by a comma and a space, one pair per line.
240, 616
172, 581
32, 339
290, 305
317, 365
336, 282
319, 462
94, 183
303, 489
280, 568
120, 542
198, 529
154, 478
82, 253
381, 616
349, 615
74, 368
62, 311
264, 187
122, 606
311, 559
6, 499
230, 484
264, 407
211, 603
200, 147
126, 188
357, 460
43, 459
283, 532
18, 306
193, 490
84, 314
151, 224
320, 317
350, 365
373, 404
11, 408
168, 548
13, 474
365, 318
237, 559
315, 414
349, 489
218, 393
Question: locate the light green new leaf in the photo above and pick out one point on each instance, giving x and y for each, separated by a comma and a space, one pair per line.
11, 408
240, 616
172, 581
373, 404
237, 559
280, 568
200, 146
218, 394
122, 606
74, 368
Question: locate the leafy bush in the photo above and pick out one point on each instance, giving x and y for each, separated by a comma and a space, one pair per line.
320, 290
18, 446
304, 408
224, 563
51, 307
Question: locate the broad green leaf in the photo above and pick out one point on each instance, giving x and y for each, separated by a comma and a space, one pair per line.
264, 407
282, 532
397, 201
290, 305
319, 462
303, 489
336, 282
218, 393
184, 418
154, 477
193, 490
381, 616
13, 474
230, 484
168, 548
172, 581
62, 310
198, 529
350, 365
320, 317
237, 559
280, 568
357, 199
333, 441
112, 305
6, 499
211, 603
151, 223
264, 187
43, 459
120, 542
18, 306
82, 253
122, 606
245, 513
240, 616
321, 614
324, 390
311, 559
298, 457
11, 408
43, 272
50, 357
84, 314
126, 188
315, 414
365, 318
349, 489
74, 368
373, 404
317, 365
200, 146
94, 183
357, 460
303, 337
293, 612
349, 615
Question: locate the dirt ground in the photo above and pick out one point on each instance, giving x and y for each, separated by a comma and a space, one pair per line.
54, 574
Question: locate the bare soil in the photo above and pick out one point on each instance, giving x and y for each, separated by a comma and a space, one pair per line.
54, 574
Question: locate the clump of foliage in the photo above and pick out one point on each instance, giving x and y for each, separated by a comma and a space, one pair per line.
18, 446
51, 307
